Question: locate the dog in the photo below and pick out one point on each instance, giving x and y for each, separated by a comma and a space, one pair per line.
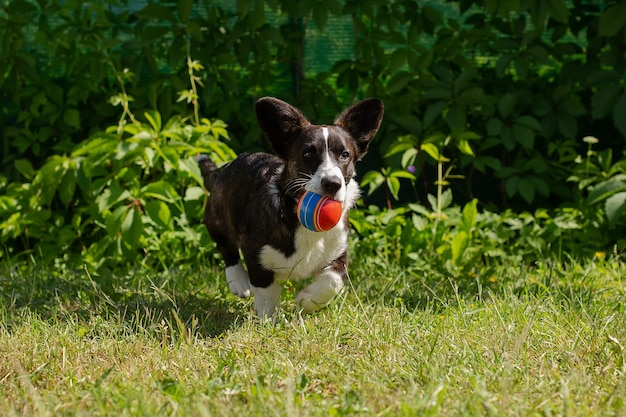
253, 199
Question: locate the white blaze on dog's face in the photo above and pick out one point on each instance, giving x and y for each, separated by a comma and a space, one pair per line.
322, 159
330, 178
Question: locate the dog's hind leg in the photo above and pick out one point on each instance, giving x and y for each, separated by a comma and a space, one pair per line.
237, 280
236, 276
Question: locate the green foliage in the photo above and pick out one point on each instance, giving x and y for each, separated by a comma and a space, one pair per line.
603, 181
116, 198
503, 89
466, 243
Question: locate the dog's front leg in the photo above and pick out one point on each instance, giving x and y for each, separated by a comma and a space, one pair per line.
325, 286
266, 299
265, 288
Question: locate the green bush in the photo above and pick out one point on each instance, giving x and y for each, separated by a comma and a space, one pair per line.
120, 196
505, 90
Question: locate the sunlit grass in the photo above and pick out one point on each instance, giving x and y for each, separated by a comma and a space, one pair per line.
546, 340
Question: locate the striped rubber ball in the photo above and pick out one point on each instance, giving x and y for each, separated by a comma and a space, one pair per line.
317, 212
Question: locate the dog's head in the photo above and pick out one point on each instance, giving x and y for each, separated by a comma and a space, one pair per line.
319, 158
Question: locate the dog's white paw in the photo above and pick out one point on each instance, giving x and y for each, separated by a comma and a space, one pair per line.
320, 293
237, 280
266, 299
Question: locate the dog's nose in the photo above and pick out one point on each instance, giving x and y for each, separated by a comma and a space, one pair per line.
331, 185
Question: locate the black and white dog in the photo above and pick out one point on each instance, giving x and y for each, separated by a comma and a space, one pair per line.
252, 206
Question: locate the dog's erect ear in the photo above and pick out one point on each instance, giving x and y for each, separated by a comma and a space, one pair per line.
279, 120
362, 121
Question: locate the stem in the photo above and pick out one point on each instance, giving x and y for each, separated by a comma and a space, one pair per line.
194, 88
125, 98
439, 186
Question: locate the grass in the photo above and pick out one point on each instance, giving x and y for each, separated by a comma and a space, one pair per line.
545, 340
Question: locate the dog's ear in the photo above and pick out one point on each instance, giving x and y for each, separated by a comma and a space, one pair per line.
279, 120
362, 121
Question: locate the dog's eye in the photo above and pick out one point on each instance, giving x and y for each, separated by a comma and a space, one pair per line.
308, 153
345, 155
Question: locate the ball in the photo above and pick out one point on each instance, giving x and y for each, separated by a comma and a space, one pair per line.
317, 212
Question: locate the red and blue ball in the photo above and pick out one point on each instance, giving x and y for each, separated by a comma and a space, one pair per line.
317, 212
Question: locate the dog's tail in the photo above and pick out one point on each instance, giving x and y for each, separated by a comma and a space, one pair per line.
208, 169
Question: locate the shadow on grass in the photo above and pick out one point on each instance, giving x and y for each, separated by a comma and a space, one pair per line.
166, 308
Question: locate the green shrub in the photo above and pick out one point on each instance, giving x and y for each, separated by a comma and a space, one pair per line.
505, 90
120, 196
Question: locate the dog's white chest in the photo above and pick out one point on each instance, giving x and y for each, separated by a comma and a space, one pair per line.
314, 251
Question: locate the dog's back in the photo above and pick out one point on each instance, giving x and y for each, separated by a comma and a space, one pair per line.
244, 201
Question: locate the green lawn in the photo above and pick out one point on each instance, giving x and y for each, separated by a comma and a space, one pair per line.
545, 340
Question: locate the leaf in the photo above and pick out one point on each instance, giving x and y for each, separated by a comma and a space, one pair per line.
114, 221
446, 200
494, 127
257, 17
398, 82
184, 9
506, 105
503, 63
431, 150
408, 157
194, 193
131, 228
433, 111
456, 117
67, 187
524, 136
464, 146
409, 123
320, 16
190, 166
526, 190
612, 20
24, 167
508, 138
111, 195
522, 65
468, 219
71, 117
402, 174
459, 245
157, 11
473, 95
401, 145
98, 145
159, 213
540, 185
397, 59
394, 186
567, 125
604, 190
615, 206
154, 118
603, 101
48, 178
558, 10
161, 190
374, 179
573, 106
619, 114
529, 122
511, 185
